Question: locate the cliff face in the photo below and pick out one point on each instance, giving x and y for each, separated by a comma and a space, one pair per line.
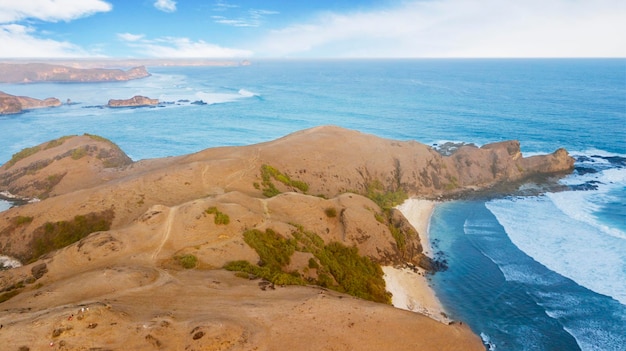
41, 72
10, 104
135, 101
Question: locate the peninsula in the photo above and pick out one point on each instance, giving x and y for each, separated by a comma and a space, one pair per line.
142, 255
44, 72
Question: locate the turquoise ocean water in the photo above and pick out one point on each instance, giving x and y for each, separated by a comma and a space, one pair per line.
543, 272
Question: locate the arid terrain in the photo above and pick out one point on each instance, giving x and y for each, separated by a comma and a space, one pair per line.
130, 255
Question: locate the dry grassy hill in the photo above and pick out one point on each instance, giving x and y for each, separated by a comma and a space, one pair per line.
142, 244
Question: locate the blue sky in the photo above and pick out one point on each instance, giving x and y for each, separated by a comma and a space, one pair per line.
312, 29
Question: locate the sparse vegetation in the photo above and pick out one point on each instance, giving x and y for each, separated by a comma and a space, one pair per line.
55, 235
99, 138
57, 142
187, 261
24, 153
219, 217
269, 189
21, 220
383, 198
79, 153
339, 267
8, 295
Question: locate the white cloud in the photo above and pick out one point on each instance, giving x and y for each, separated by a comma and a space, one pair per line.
130, 36
165, 5
461, 28
175, 47
18, 42
50, 10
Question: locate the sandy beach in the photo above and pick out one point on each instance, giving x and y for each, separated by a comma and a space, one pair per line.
411, 290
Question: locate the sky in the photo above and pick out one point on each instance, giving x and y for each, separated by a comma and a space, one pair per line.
224, 29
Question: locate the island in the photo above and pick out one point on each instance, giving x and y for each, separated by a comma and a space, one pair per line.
135, 101
11, 104
264, 246
44, 72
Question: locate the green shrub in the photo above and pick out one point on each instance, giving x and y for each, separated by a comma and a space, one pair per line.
220, 217
313, 263
340, 267
187, 261
331, 212
269, 189
52, 236
383, 198
273, 249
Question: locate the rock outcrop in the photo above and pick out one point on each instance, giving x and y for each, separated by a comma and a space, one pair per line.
10, 104
42, 72
315, 192
135, 101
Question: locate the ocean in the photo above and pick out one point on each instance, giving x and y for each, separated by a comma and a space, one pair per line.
540, 272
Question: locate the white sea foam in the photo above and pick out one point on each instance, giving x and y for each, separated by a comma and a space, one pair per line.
569, 246
6, 261
247, 93
220, 98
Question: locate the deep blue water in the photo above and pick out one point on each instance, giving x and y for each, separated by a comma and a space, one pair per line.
535, 273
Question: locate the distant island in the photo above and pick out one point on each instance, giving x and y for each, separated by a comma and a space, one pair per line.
44, 72
135, 101
11, 104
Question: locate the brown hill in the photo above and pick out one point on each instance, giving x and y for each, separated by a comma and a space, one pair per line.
307, 197
43, 72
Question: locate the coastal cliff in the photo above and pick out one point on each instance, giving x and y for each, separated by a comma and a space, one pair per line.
10, 104
135, 101
301, 209
43, 72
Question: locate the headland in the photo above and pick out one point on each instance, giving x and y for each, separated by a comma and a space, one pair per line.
141, 251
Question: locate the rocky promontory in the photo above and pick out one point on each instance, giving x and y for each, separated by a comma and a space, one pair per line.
135, 101
10, 104
43, 72
306, 219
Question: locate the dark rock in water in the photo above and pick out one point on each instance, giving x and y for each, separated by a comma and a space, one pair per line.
616, 160
585, 170
198, 102
183, 100
591, 185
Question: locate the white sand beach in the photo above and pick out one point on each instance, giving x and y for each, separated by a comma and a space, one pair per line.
410, 289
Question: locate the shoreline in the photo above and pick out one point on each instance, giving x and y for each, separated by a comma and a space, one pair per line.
410, 289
